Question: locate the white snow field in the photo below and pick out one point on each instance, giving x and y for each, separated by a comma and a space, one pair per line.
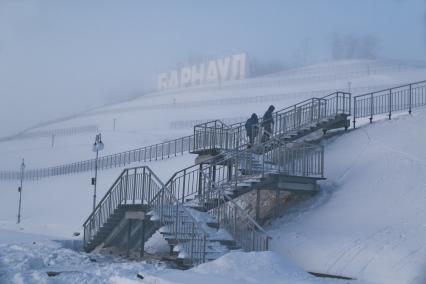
366, 223
369, 222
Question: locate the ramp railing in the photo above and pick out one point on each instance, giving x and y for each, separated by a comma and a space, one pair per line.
405, 97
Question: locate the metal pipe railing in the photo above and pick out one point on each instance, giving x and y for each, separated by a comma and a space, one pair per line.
140, 185
388, 101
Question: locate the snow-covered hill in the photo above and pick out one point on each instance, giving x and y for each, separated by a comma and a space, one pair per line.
150, 118
367, 222
370, 219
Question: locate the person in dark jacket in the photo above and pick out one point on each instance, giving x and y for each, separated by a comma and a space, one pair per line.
267, 123
252, 128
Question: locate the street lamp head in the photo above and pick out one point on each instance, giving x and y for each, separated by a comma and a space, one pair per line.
98, 145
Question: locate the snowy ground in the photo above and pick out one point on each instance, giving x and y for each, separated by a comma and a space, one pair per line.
29, 258
366, 223
369, 220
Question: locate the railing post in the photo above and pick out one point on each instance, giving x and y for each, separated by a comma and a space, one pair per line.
127, 185
354, 114
322, 161
200, 180
204, 248
252, 239
294, 117
390, 103
409, 99
183, 186
337, 103
121, 189
235, 220
192, 241
134, 188
177, 220
350, 102
143, 187
162, 206
319, 109
371, 107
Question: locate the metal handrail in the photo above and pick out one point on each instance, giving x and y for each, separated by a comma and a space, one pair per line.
239, 215
157, 151
155, 195
388, 101
286, 120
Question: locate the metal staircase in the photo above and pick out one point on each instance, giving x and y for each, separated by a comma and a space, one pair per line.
291, 123
196, 209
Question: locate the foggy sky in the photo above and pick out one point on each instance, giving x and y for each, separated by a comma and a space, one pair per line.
61, 57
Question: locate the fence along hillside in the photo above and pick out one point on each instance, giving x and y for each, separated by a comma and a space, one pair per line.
384, 102
69, 131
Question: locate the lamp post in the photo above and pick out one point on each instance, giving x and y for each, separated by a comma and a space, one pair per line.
97, 146
20, 190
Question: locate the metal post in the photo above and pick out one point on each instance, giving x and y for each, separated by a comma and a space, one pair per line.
129, 232
20, 190
96, 180
390, 103
257, 205
200, 180
183, 186
294, 117
235, 221
142, 252
204, 248
192, 240
143, 187
134, 188
337, 103
371, 107
409, 100
354, 114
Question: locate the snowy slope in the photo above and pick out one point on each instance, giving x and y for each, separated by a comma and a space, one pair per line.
370, 220
366, 223
148, 119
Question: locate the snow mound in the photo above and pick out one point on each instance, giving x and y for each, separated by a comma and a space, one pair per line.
241, 267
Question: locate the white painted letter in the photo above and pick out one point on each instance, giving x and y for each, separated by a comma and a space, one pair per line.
211, 75
239, 66
185, 76
162, 82
173, 81
223, 66
197, 77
